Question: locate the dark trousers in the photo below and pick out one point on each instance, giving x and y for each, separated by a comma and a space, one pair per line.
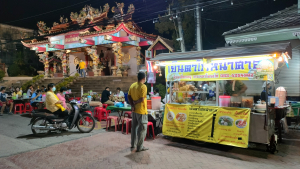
61, 114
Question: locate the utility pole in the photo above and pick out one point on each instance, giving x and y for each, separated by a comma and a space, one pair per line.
198, 27
180, 31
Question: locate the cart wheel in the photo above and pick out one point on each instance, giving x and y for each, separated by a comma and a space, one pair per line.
272, 147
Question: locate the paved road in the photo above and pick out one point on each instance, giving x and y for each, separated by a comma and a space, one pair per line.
16, 136
111, 150
101, 149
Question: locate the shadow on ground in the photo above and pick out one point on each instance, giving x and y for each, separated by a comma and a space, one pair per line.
51, 134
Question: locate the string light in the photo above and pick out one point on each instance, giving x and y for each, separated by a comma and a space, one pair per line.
231, 2
202, 9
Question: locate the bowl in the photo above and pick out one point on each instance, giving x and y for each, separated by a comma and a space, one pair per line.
260, 106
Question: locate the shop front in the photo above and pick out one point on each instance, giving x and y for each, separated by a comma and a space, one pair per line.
208, 100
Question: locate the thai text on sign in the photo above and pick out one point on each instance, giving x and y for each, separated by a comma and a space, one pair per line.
254, 68
222, 125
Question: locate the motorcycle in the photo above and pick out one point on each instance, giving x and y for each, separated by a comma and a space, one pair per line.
43, 121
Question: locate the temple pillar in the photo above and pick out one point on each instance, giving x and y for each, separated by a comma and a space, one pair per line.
64, 65
54, 67
46, 64
92, 52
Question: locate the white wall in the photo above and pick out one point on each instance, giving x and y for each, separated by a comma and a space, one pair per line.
287, 77
72, 56
132, 62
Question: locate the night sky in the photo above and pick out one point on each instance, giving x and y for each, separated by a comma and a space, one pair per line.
215, 19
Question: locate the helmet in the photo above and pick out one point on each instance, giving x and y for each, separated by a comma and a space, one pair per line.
85, 106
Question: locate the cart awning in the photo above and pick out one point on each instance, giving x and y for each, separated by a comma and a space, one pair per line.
228, 52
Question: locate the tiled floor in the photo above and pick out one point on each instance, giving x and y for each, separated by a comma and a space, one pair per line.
111, 150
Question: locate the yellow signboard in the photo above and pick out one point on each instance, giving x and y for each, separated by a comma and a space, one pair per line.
222, 125
235, 68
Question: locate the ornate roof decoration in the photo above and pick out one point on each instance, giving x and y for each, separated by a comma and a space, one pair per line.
35, 42
93, 16
118, 28
119, 12
89, 13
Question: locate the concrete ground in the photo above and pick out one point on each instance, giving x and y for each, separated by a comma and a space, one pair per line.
16, 136
111, 150
101, 149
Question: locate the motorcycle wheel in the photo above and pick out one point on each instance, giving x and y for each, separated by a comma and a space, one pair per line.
86, 123
40, 122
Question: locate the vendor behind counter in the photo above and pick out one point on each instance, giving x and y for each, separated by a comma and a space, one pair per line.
263, 93
235, 88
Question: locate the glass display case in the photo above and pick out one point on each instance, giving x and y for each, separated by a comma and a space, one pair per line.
194, 92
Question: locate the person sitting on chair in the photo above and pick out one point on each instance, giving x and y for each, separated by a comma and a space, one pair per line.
17, 92
4, 101
105, 97
34, 99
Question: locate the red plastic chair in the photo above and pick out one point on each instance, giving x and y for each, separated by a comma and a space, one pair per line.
78, 98
20, 110
27, 108
96, 110
101, 114
115, 118
105, 106
128, 113
128, 124
71, 98
148, 134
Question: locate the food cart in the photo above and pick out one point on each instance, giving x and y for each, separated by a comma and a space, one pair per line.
200, 110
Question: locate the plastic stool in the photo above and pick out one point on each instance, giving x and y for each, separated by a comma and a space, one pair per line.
128, 124
100, 114
27, 108
21, 108
128, 114
96, 110
105, 106
115, 118
148, 134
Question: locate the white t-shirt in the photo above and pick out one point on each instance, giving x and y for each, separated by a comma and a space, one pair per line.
28, 92
121, 94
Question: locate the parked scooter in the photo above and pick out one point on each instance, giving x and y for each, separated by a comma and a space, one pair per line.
43, 121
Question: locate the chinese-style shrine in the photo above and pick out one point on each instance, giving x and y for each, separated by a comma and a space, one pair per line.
109, 46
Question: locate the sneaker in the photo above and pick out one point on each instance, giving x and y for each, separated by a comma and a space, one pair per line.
10, 113
142, 149
1, 114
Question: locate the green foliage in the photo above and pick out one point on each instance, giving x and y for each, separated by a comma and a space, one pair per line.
14, 70
169, 29
2, 74
19, 60
64, 83
76, 74
31, 82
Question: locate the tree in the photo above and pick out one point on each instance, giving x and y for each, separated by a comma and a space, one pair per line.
19, 60
169, 28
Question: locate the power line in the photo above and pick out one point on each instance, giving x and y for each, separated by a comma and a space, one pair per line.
48, 12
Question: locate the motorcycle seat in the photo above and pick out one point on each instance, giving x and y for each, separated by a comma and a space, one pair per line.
44, 113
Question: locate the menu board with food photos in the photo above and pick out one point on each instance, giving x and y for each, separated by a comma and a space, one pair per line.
222, 125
